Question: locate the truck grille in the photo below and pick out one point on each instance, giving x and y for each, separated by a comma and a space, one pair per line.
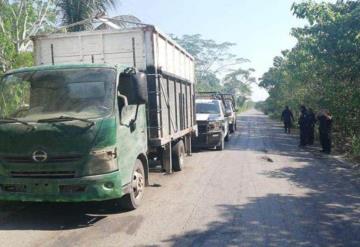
14, 188
51, 159
43, 174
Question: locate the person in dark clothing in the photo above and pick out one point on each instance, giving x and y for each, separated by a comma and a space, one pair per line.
287, 117
311, 126
303, 124
325, 124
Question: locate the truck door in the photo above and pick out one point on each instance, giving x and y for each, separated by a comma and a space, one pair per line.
131, 140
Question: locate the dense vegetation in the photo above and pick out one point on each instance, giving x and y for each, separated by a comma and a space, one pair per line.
21, 19
75, 11
218, 69
323, 70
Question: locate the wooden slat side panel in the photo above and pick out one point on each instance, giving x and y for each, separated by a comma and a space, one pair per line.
172, 105
164, 109
111, 48
173, 60
188, 105
153, 108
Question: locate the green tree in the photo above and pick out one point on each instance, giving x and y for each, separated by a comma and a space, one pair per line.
238, 82
322, 70
212, 58
75, 11
217, 68
19, 20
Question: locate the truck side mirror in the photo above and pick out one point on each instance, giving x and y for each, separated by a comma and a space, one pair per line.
133, 85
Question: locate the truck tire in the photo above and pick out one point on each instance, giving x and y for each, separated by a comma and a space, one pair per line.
132, 200
178, 156
222, 145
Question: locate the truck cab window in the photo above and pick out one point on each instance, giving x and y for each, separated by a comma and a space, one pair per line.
31, 96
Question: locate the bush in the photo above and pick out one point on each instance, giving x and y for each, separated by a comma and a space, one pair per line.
356, 145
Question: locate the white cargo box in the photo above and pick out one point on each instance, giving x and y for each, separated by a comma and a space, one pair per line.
140, 47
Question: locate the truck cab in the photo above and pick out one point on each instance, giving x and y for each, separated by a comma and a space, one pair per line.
69, 134
83, 124
213, 124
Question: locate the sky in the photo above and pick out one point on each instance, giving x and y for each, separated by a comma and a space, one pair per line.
260, 28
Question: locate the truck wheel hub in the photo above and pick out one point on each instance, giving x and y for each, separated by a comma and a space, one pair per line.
138, 184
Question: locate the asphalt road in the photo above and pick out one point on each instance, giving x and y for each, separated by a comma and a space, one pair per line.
261, 191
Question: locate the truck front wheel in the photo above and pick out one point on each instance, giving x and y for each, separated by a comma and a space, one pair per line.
132, 200
178, 156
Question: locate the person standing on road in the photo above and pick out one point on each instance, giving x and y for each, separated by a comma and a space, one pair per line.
287, 117
311, 126
303, 124
325, 124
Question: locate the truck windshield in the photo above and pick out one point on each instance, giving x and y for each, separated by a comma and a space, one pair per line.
208, 107
35, 95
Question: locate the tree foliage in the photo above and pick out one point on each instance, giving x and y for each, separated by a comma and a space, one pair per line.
19, 20
217, 68
74, 11
323, 69
13, 95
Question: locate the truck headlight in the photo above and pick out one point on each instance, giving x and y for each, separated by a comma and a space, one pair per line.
102, 161
215, 126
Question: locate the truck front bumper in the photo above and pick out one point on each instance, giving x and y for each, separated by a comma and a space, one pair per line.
208, 140
92, 188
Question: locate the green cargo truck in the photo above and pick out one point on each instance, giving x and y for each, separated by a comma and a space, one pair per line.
85, 122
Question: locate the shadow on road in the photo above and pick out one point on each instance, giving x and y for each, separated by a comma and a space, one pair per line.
327, 215
260, 134
316, 221
54, 216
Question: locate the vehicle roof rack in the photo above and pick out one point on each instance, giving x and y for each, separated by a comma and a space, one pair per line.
209, 95
230, 97
217, 95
